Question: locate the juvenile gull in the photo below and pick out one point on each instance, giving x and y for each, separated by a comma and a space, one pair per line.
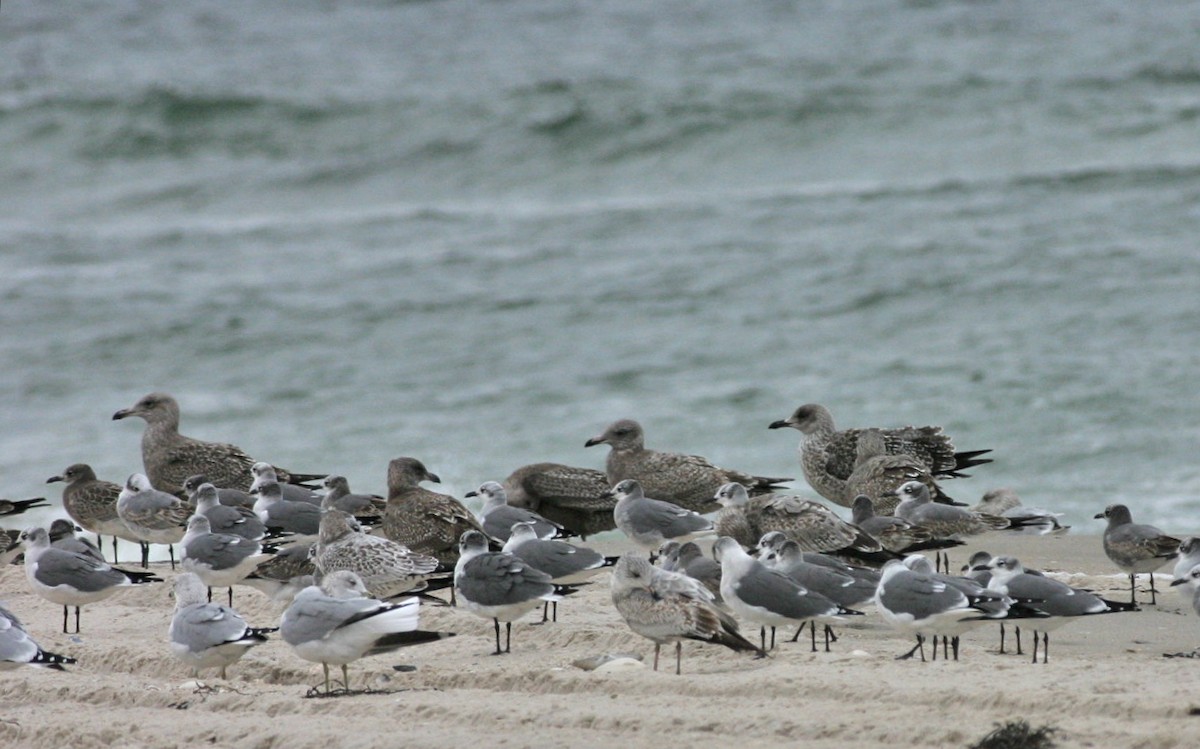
649, 522
220, 560
18, 649
576, 498
566, 564
386, 568
235, 520
335, 624
499, 586
1059, 601
338, 495
284, 575
18, 506
62, 536
425, 521
153, 516
667, 607
71, 579
944, 521
689, 481
205, 634
877, 473
687, 559
1136, 548
828, 455
92, 504
498, 517
893, 533
1034, 521
810, 524
227, 497
170, 457
283, 515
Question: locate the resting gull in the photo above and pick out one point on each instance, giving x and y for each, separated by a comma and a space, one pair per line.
497, 516
648, 522
18, 649
205, 634
153, 516
386, 568
576, 498
425, 521
221, 560
878, 472
1034, 520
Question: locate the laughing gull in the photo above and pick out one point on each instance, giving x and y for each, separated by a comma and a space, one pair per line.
575, 498
810, 524
1189, 585
92, 504
284, 515
1189, 557
170, 457
687, 559
205, 634
335, 624
227, 497
944, 521
153, 516
18, 649
1035, 521
220, 560
766, 597
386, 568
648, 522
1136, 548
62, 536
339, 496
18, 506
828, 455
668, 607
689, 481
235, 520
265, 473
499, 586
498, 517
843, 584
70, 579
284, 575
893, 533
1058, 600
877, 473
565, 563
425, 521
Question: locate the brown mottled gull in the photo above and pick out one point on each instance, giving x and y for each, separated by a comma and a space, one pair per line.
425, 521
1136, 548
810, 524
92, 504
386, 568
877, 473
575, 498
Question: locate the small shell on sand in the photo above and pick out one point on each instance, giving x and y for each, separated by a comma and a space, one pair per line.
609, 662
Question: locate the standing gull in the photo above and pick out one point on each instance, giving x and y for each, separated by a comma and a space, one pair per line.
18, 506
205, 634
575, 498
565, 563
1136, 548
220, 560
944, 521
893, 533
284, 575
828, 455
499, 586
648, 522
498, 517
71, 579
810, 524
847, 586
336, 623
668, 607
425, 521
385, 567
154, 517
1034, 521
170, 457
62, 536
283, 515
265, 473
18, 649
1189, 557
92, 504
227, 497
878, 472
689, 481
338, 495
235, 520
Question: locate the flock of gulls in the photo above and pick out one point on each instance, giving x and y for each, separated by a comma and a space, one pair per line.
353, 570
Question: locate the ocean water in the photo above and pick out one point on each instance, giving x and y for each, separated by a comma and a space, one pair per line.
477, 232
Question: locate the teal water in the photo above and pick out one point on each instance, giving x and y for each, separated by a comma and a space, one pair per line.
476, 233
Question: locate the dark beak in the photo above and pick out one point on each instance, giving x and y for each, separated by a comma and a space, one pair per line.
774, 424
470, 493
593, 442
1180, 581
432, 477
1099, 516
52, 479
122, 414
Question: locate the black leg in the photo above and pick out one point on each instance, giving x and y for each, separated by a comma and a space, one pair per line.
796, 637
508, 637
545, 612
656, 648
954, 644
1018, 633
145, 554
555, 609
1045, 647
76, 620
812, 630
919, 646
1153, 592
1035, 645
496, 622
171, 552
210, 595
762, 636
230, 596
678, 656
65, 632
1001, 638
1132, 588
829, 636
772, 638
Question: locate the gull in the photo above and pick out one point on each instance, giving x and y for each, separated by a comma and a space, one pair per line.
227, 497
565, 563
18, 649
893, 533
235, 520
1189, 557
220, 560
335, 624
92, 504
169, 457
1034, 520
767, 597
338, 495
205, 634
877, 473
1136, 548
1189, 583
498, 517
153, 516
689, 481
576, 498
1059, 601
687, 559
668, 607
18, 506
265, 473
649, 522
944, 521
62, 536
425, 521
284, 515
811, 524
385, 567
499, 586
284, 575
828, 455
70, 579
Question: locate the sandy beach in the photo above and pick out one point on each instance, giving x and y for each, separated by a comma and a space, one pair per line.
1107, 682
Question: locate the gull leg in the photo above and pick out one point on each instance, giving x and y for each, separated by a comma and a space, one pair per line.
1018, 633
1035, 645
76, 620
1153, 592
919, 646
829, 635
796, 637
145, 554
171, 552
496, 622
65, 632
230, 596
813, 631
1001, 638
345, 678
762, 636
508, 637
678, 655
1045, 647
210, 595
325, 666
954, 643
656, 648
1132, 588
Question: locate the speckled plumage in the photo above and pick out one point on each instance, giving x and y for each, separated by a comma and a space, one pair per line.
92, 503
809, 523
877, 473
1136, 548
387, 568
425, 521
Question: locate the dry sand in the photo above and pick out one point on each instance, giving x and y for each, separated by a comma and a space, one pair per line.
1107, 683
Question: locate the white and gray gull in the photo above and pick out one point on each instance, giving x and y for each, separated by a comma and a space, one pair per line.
205, 634
648, 522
